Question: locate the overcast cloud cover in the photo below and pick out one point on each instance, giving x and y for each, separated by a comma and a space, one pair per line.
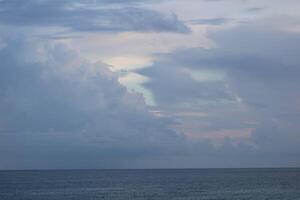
224, 84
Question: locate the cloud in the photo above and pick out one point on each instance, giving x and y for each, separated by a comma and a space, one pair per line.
255, 9
258, 90
236, 103
172, 85
87, 16
211, 21
60, 111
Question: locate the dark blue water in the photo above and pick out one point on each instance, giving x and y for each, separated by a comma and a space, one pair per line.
151, 184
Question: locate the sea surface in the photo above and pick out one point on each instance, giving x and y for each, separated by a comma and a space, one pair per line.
212, 184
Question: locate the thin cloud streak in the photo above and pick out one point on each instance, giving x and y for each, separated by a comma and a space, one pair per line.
79, 16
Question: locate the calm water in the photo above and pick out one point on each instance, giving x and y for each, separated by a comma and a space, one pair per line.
151, 184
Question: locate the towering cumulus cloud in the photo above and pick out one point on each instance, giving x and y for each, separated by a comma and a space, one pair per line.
58, 110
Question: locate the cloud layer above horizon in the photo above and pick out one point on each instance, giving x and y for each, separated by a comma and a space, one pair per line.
146, 84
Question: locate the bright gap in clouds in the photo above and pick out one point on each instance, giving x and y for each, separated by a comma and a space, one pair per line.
124, 66
134, 82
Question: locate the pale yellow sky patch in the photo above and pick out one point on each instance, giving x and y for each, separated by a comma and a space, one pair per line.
107, 46
128, 62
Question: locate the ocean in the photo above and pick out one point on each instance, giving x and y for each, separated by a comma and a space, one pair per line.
161, 184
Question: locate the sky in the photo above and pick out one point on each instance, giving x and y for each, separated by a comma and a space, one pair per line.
88, 84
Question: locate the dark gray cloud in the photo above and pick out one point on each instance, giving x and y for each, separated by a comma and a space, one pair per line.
265, 58
260, 88
86, 15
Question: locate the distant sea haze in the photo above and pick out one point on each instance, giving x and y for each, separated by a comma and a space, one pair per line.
161, 184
